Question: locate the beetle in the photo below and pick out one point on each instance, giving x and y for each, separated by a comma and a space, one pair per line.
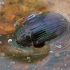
39, 28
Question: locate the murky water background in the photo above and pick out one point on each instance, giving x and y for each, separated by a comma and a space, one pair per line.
56, 53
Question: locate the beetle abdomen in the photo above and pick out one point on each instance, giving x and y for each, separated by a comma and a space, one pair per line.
41, 28
49, 26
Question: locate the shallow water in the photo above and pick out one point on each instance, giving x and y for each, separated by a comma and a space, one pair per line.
57, 52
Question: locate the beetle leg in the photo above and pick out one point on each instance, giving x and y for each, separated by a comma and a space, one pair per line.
39, 45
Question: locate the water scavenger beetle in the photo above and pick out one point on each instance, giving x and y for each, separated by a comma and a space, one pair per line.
40, 27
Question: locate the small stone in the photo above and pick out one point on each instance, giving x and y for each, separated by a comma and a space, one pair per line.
29, 59
51, 51
9, 40
12, 62
57, 54
2, 54
0, 42
58, 46
13, 54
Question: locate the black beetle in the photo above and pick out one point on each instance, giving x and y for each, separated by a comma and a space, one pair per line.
39, 28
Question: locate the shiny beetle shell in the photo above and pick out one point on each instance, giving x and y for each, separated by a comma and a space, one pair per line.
39, 28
